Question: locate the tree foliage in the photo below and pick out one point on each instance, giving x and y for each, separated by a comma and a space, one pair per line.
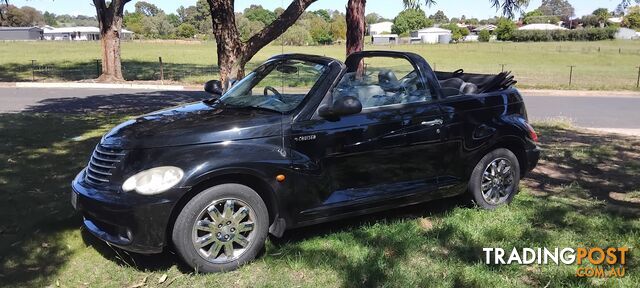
559, 8
505, 30
439, 17
410, 20
147, 9
484, 36
257, 13
508, 7
21, 17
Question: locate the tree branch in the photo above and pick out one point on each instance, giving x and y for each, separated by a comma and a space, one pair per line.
277, 27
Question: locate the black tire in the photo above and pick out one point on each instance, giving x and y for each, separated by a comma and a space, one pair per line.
477, 180
184, 227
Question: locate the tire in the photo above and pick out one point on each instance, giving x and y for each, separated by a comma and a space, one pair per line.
498, 190
200, 231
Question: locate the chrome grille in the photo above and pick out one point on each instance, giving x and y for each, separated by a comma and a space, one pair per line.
103, 161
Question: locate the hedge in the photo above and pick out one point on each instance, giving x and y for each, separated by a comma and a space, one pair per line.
588, 34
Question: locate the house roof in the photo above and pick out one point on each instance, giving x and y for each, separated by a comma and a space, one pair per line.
542, 26
19, 28
489, 27
81, 29
434, 30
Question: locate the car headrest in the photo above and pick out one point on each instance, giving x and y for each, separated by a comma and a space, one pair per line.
387, 77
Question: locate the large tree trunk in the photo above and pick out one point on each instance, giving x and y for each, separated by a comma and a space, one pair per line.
110, 21
355, 25
233, 54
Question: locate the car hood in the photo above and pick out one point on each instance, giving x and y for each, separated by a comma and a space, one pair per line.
195, 123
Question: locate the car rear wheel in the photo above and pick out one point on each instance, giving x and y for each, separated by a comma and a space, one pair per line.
221, 228
495, 179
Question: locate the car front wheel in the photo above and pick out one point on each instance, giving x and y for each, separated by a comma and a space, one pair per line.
495, 179
221, 228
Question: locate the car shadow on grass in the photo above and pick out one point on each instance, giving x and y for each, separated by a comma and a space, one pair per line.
132, 70
117, 104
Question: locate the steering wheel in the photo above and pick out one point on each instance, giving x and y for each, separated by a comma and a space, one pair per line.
275, 93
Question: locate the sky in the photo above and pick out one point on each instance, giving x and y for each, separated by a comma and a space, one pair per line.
387, 8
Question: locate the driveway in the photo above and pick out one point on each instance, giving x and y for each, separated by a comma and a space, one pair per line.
614, 113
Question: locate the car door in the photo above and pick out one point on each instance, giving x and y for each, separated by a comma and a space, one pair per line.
345, 162
363, 160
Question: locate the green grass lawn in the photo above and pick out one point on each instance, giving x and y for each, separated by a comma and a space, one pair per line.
606, 65
585, 193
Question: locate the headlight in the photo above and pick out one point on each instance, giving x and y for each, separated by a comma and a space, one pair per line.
153, 181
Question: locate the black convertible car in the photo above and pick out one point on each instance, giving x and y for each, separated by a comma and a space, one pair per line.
302, 140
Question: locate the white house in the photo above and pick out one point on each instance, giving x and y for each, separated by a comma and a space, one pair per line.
380, 28
542, 26
79, 33
431, 35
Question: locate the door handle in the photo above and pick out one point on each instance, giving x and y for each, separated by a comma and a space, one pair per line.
432, 123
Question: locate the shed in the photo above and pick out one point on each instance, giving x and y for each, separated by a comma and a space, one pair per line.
430, 35
385, 39
20, 33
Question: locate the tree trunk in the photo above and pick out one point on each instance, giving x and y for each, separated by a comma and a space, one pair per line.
355, 29
355, 25
111, 62
110, 21
233, 54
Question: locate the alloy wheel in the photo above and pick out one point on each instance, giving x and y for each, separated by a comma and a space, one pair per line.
223, 230
497, 181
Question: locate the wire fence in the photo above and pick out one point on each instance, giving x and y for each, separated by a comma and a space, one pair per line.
627, 77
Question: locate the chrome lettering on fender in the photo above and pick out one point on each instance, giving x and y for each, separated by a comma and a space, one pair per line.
305, 138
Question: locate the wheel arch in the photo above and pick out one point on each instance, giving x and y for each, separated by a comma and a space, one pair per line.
257, 183
516, 146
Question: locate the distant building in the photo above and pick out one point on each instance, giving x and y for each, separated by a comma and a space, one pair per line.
615, 20
542, 26
380, 28
384, 39
20, 33
79, 33
431, 35
489, 28
627, 34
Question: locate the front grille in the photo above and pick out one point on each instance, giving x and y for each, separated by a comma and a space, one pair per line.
103, 161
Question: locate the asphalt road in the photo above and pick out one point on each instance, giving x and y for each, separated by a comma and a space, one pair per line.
616, 113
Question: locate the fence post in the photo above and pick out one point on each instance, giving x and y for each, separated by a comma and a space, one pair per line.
161, 71
33, 70
98, 67
638, 83
571, 75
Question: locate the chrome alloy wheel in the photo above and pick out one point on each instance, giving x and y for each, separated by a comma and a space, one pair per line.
223, 230
497, 181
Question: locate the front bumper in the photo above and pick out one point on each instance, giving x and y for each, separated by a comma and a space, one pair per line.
126, 220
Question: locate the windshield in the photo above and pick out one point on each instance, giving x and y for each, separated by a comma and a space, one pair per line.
278, 85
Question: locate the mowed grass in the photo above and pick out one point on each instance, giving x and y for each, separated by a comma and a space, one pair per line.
605, 65
584, 193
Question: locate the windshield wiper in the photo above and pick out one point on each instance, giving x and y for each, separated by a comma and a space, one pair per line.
213, 101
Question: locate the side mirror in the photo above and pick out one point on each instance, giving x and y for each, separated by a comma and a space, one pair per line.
343, 106
214, 87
